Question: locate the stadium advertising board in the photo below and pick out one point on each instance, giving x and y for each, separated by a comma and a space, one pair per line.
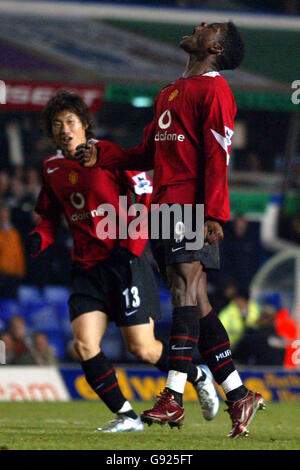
143, 384
33, 96
18, 383
35, 383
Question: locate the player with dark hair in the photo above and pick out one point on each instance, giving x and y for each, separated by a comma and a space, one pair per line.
112, 280
188, 145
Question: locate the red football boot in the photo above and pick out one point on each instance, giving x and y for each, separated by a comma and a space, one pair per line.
165, 410
242, 412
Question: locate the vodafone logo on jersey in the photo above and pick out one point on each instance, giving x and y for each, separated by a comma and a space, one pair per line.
164, 122
77, 200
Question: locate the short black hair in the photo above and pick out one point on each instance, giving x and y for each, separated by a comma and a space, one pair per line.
71, 101
233, 48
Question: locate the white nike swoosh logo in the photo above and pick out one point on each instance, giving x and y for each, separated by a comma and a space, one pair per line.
131, 313
99, 386
176, 249
174, 347
51, 170
171, 414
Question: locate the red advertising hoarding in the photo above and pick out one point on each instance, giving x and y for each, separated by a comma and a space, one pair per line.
33, 96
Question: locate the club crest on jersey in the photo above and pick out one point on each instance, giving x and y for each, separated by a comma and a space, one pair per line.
73, 177
173, 95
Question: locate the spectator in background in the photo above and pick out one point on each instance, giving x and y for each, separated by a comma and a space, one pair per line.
21, 341
18, 172
23, 206
12, 261
239, 314
9, 346
72, 355
289, 227
253, 162
33, 182
287, 328
4, 185
42, 352
16, 193
39, 146
15, 202
241, 252
223, 295
261, 344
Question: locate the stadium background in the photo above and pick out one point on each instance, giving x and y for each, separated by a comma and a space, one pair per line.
118, 55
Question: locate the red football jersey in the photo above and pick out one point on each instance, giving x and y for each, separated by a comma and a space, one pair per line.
77, 192
188, 144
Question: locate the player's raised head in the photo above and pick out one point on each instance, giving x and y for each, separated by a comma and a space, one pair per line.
68, 121
219, 44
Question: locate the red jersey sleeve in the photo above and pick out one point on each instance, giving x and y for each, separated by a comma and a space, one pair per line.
141, 157
219, 110
49, 210
140, 184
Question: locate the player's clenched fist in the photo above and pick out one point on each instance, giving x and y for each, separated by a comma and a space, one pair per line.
86, 154
213, 232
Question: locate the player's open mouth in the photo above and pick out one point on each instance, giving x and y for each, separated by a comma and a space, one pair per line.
65, 140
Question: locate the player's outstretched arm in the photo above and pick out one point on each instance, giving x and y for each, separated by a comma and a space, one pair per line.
107, 154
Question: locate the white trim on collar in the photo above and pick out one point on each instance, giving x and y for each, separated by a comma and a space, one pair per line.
211, 74
59, 154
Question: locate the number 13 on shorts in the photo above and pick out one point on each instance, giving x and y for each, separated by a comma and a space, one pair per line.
132, 298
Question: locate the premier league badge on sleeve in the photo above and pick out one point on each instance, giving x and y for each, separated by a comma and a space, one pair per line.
142, 184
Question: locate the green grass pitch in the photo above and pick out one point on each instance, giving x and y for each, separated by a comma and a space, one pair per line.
71, 426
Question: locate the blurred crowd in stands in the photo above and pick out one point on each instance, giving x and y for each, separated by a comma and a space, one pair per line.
19, 190
28, 348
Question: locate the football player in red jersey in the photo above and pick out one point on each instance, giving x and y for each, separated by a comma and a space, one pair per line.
112, 280
188, 145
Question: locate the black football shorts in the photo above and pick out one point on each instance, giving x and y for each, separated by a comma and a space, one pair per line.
124, 287
172, 250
